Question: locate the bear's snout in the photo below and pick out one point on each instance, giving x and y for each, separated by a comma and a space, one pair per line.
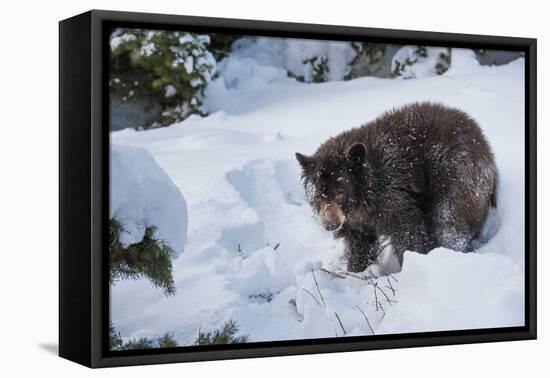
332, 217
331, 225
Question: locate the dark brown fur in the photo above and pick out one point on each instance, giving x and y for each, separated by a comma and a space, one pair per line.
422, 175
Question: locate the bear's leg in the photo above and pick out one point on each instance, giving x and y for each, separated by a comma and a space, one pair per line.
462, 197
362, 249
451, 228
411, 235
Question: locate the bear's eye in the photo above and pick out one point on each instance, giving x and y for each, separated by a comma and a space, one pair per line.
340, 195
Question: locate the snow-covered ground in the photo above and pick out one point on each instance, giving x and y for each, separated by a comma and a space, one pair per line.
256, 254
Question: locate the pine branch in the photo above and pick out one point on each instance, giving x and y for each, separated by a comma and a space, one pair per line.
227, 334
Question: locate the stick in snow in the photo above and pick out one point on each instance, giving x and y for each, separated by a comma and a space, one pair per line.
343, 275
365, 316
377, 302
312, 296
319, 290
332, 274
341, 325
375, 298
384, 293
390, 286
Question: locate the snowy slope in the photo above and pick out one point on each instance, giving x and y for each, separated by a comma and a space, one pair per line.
256, 254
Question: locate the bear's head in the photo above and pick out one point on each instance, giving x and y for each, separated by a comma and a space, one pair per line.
335, 184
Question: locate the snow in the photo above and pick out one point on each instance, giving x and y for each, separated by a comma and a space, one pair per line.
188, 64
148, 49
437, 295
170, 90
416, 65
119, 39
142, 195
256, 253
465, 63
271, 58
195, 58
187, 38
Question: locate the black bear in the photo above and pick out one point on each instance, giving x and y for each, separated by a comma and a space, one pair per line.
420, 176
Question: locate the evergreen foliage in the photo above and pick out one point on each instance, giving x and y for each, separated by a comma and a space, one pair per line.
166, 68
227, 334
116, 343
368, 61
403, 66
167, 341
444, 62
319, 67
139, 343
150, 258
220, 44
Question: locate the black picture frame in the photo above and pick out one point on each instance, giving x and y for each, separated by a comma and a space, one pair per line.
84, 190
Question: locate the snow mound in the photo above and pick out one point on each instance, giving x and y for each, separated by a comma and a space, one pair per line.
295, 55
448, 290
255, 65
142, 195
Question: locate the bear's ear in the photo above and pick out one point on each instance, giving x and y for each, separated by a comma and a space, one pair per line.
305, 161
356, 153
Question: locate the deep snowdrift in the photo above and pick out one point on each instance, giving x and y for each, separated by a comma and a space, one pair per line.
142, 195
256, 253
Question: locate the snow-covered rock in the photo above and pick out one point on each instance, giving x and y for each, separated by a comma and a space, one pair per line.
143, 195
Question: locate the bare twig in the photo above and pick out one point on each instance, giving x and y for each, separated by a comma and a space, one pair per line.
371, 272
341, 325
318, 290
276, 246
377, 303
385, 295
332, 274
312, 296
346, 274
382, 309
363, 278
375, 297
343, 275
390, 286
365, 316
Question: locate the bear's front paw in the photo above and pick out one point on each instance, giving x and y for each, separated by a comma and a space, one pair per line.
356, 265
